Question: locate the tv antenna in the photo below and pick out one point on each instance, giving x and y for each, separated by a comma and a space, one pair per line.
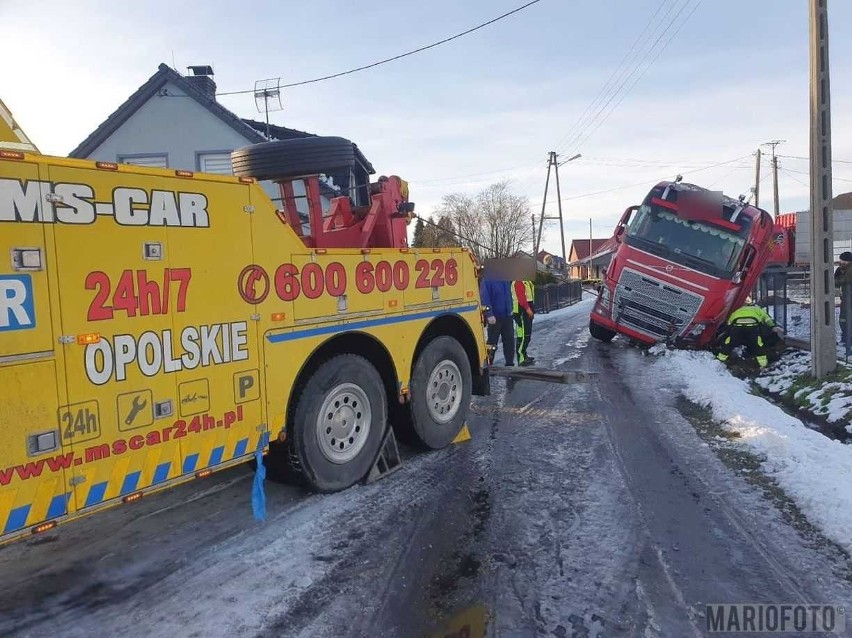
266, 91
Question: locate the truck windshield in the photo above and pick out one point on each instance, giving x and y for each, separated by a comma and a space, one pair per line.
705, 247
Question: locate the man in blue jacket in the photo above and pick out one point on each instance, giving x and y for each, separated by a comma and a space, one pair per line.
497, 298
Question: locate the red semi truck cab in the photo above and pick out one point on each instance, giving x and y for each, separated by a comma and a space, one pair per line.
685, 259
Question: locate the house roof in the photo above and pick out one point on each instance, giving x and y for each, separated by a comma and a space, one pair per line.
252, 130
145, 92
580, 247
842, 202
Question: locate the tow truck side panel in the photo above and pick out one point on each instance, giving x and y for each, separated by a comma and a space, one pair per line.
171, 318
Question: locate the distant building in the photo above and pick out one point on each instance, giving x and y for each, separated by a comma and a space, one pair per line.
588, 258
801, 222
553, 263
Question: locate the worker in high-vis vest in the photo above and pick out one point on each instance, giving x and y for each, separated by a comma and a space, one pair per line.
523, 311
750, 326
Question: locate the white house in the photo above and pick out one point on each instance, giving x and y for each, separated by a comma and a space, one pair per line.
174, 121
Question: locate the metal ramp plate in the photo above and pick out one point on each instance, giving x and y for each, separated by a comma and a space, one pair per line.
387, 461
544, 374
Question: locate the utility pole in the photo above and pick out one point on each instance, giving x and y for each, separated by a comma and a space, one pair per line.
552, 162
559, 206
535, 252
589, 274
757, 179
543, 202
775, 201
823, 347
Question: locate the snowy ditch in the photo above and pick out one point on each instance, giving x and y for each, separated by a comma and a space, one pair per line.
813, 470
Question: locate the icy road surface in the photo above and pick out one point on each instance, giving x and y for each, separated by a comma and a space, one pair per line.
586, 510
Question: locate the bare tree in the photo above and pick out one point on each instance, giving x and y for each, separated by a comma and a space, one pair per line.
440, 234
494, 223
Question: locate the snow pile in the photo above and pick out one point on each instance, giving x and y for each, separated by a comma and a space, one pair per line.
790, 378
815, 471
799, 321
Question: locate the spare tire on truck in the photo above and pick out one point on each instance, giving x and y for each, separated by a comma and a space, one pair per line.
284, 159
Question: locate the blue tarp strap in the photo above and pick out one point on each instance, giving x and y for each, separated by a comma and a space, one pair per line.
258, 497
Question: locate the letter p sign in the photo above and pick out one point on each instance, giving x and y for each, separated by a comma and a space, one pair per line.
17, 311
246, 386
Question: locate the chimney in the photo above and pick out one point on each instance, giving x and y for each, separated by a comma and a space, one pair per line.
201, 77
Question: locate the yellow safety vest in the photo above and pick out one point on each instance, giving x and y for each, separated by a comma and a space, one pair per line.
529, 288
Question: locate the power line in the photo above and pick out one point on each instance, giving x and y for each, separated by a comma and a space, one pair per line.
396, 57
793, 177
643, 183
798, 157
583, 140
608, 85
458, 177
616, 72
834, 178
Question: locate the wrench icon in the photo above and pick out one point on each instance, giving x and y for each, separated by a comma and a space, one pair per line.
135, 409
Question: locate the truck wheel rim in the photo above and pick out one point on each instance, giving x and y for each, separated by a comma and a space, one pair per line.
444, 392
343, 424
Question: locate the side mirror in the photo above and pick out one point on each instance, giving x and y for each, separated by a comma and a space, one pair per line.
621, 227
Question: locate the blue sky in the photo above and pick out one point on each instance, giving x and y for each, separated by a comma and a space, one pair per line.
482, 108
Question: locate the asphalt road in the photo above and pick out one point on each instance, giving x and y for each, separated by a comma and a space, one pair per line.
578, 510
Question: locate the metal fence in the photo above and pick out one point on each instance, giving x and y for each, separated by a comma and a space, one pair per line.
554, 296
782, 290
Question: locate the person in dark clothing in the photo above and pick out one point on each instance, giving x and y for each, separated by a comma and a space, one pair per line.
497, 298
843, 280
750, 326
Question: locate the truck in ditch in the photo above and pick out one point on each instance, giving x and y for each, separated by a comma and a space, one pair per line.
686, 258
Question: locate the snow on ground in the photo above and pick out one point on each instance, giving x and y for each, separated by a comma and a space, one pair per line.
799, 321
581, 307
815, 471
831, 399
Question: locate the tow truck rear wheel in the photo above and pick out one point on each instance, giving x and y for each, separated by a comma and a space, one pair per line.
440, 393
339, 422
600, 333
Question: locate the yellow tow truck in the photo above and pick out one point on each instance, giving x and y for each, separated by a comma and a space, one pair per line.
159, 325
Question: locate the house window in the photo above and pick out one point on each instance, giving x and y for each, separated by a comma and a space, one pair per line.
151, 161
219, 163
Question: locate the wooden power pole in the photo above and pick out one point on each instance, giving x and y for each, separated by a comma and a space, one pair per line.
552, 162
757, 178
776, 205
823, 346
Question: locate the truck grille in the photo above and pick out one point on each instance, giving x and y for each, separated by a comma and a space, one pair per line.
653, 307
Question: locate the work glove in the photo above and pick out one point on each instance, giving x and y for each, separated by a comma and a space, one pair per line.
492, 319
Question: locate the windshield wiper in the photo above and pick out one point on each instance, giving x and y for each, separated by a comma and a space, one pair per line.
652, 247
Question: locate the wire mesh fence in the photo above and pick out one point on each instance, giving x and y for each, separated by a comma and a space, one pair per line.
785, 294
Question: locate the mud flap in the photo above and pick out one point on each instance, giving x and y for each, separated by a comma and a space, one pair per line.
388, 460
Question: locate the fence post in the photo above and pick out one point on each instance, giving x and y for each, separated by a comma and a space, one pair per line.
845, 315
